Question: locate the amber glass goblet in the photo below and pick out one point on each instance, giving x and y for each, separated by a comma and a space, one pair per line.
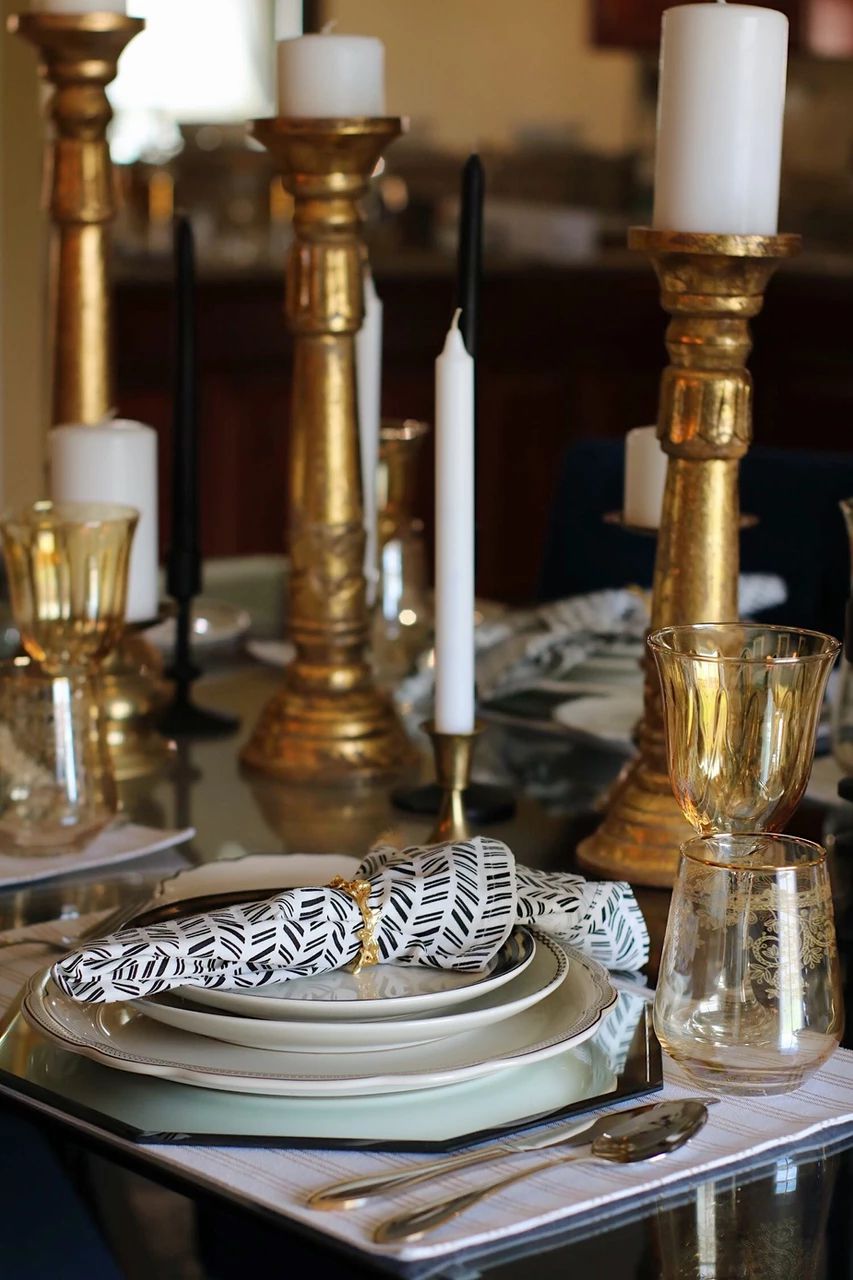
67, 565
741, 706
749, 991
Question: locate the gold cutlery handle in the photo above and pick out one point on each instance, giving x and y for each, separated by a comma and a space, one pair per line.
416, 1223
354, 1192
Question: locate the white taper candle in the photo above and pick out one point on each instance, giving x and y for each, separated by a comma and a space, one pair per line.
645, 478
368, 360
720, 107
454, 536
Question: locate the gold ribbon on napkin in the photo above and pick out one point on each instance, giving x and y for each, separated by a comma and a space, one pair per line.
359, 891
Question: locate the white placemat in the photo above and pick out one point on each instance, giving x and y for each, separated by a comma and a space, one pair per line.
118, 844
738, 1130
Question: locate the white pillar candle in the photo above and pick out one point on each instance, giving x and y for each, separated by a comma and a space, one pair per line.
115, 462
645, 478
331, 75
720, 107
454, 536
80, 6
368, 361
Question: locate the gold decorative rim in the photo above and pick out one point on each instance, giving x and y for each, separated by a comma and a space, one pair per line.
690, 850
655, 642
651, 240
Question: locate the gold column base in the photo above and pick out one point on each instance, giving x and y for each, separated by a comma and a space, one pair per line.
640, 838
132, 693
347, 738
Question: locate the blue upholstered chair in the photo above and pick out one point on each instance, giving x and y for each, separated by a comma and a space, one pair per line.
800, 536
47, 1232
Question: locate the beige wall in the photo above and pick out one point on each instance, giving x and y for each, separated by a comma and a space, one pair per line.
22, 273
473, 72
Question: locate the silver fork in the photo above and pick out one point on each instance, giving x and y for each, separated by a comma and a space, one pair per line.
65, 941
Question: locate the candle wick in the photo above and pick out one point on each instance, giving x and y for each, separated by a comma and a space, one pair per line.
454, 323
328, 27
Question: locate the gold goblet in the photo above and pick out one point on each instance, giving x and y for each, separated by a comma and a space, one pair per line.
741, 706
67, 565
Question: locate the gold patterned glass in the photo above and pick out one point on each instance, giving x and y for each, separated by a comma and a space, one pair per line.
67, 565
741, 707
56, 782
749, 993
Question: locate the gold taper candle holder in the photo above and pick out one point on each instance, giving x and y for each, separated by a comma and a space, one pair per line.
329, 723
712, 286
78, 56
454, 754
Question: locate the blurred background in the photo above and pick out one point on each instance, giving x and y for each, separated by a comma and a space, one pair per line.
558, 96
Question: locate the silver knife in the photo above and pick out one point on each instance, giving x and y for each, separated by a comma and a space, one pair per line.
355, 1191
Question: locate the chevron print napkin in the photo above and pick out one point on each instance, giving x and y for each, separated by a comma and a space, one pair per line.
448, 906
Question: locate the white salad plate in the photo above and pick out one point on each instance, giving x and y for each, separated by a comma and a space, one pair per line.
538, 979
120, 1036
381, 991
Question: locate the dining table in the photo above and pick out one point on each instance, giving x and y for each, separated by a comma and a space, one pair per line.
783, 1216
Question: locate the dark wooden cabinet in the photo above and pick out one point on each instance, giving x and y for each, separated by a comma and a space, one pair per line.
567, 354
823, 27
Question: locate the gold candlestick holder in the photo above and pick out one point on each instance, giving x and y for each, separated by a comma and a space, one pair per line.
712, 286
78, 57
329, 723
454, 753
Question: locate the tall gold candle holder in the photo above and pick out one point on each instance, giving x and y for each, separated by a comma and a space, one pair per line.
329, 723
78, 56
712, 286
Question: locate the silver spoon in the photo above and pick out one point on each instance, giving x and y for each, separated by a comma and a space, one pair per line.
628, 1139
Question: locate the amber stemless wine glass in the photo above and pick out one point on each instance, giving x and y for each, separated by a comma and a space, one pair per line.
749, 994
67, 565
741, 706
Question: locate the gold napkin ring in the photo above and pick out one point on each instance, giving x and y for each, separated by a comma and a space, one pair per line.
359, 891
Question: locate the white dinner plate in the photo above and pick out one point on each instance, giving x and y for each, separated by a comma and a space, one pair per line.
214, 622
122, 1037
380, 991
179, 1009
607, 719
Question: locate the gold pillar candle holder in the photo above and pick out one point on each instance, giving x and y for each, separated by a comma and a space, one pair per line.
329, 723
454, 753
78, 56
711, 286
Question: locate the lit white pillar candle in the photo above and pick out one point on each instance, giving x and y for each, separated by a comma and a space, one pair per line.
331, 75
80, 6
720, 107
115, 462
645, 478
368, 360
454, 536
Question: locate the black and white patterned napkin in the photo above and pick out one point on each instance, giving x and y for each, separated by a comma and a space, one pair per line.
449, 906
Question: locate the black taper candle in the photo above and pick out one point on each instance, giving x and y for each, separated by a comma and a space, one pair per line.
470, 260
184, 562
183, 566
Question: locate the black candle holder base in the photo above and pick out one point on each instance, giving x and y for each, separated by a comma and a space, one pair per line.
484, 803
185, 720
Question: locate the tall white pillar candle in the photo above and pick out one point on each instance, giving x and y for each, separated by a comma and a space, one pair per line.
368, 361
331, 75
115, 462
454, 536
720, 106
645, 478
80, 6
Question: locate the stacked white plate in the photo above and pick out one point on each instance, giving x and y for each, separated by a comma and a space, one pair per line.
391, 1029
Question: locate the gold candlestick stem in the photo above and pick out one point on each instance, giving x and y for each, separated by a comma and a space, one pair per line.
454, 753
78, 56
329, 724
712, 286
